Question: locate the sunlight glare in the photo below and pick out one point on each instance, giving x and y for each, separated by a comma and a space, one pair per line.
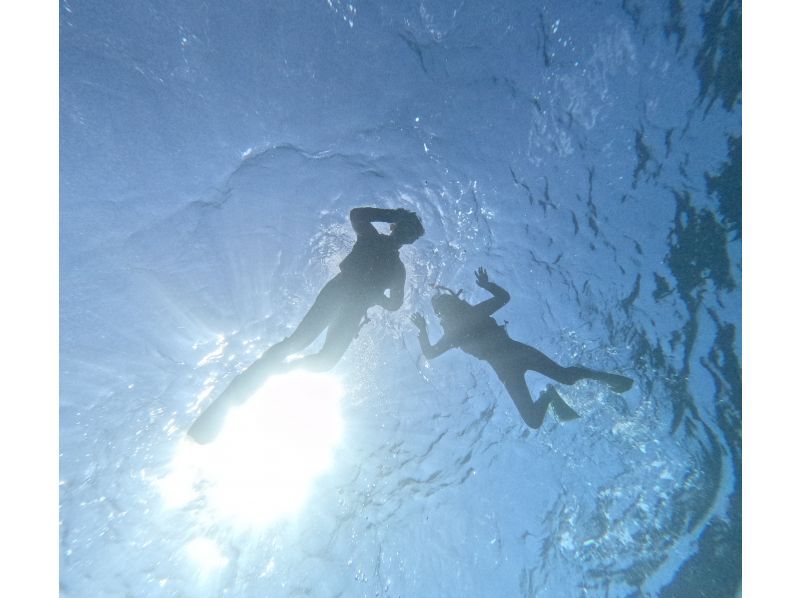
267, 455
206, 554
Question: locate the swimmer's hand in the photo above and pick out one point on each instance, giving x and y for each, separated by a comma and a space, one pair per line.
419, 321
481, 278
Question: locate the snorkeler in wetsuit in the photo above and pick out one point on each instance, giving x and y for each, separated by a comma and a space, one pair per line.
472, 329
372, 268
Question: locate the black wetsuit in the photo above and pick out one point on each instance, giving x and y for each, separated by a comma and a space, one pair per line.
371, 268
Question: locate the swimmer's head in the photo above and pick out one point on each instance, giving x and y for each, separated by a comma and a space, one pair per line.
408, 228
447, 305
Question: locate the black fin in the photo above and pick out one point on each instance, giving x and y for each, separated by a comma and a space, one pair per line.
563, 411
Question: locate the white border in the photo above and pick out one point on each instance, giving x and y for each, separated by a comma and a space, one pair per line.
29, 249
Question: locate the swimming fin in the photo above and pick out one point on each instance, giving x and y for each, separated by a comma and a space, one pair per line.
563, 411
618, 383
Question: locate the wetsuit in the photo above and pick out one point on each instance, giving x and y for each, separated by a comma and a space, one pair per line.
371, 268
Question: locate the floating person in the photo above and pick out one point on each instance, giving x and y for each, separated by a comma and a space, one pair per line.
372, 268
472, 329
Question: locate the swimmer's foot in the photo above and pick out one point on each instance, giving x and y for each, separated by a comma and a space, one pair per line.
618, 383
563, 411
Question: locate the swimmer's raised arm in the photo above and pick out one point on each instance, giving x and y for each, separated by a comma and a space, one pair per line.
362, 218
501, 296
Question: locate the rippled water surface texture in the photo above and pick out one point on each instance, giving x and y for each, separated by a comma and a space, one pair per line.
587, 154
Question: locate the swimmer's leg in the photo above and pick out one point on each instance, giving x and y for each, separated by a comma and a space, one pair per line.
341, 333
533, 359
328, 303
208, 425
271, 361
532, 413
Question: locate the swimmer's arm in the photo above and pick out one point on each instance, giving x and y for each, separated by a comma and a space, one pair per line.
500, 298
433, 351
396, 291
428, 350
362, 219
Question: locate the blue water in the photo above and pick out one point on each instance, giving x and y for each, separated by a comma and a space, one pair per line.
588, 155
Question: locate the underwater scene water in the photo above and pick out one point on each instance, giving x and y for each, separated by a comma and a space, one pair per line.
586, 154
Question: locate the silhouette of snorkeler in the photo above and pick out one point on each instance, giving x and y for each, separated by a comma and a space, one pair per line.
472, 329
372, 268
